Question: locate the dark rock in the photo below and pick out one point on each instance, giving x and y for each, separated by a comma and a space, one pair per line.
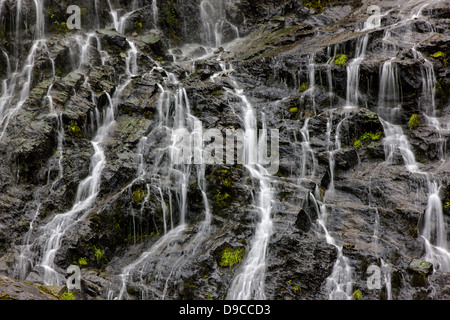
303, 222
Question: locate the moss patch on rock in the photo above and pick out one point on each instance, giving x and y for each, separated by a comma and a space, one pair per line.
232, 256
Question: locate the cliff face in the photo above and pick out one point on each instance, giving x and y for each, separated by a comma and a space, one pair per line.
89, 171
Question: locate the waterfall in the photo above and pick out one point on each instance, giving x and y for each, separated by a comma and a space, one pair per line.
24, 78
40, 23
119, 23
165, 100
340, 282
353, 94
25, 258
131, 60
389, 107
428, 101
52, 234
174, 117
434, 230
214, 22
307, 150
249, 282
155, 13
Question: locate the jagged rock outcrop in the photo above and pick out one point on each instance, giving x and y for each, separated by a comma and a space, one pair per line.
336, 167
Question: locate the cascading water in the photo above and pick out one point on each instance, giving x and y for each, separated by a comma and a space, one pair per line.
174, 119
353, 94
24, 262
176, 123
214, 22
389, 108
51, 235
428, 102
7, 108
340, 283
149, 264
155, 13
160, 263
390, 104
23, 78
249, 283
307, 151
434, 232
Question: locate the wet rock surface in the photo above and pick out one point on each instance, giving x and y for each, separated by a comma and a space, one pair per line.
285, 63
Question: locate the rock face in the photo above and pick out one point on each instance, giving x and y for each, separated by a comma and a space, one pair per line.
16, 290
362, 112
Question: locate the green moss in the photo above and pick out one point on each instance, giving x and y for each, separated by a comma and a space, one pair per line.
304, 87
138, 26
171, 19
317, 5
296, 287
447, 205
67, 296
74, 129
222, 200
441, 55
217, 93
56, 26
439, 84
415, 232
293, 110
126, 110
59, 28
46, 290
82, 261
232, 256
3, 31
438, 54
340, 60
372, 136
358, 144
414, 121
366, 137
226, 183
138, 195
142, 237
357, 295
98, 254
